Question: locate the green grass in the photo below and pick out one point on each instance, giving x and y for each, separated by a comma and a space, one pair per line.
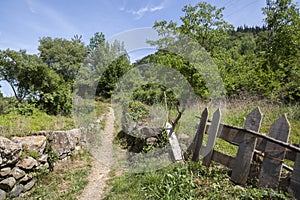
193, 181
185, 181
14, 124
235, 113
66, 182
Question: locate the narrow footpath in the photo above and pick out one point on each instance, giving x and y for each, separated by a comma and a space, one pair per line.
102, 162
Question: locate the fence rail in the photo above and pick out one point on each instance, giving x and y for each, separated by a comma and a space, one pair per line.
273, 148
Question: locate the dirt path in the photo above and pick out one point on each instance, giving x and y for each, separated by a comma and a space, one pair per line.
102, 162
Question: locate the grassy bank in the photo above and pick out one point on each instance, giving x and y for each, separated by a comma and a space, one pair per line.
66, 182
193, 181
14, 124
186, 181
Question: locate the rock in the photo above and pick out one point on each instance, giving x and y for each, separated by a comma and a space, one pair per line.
32, 143
2, 194
17, 173
26, 178
9, 152
238, 187
186, 139
29, 185
27, 163
143, 131
151, 140
43, 158
17, 190
5, 171
7, 183
43, 166
64, 142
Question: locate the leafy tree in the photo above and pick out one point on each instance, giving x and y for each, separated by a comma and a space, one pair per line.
34, 82
202, 22
105, 64
178, 63
26, 74
111, 76
97, 40
62, 55
282, 46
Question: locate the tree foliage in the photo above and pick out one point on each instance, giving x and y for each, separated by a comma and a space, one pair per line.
261, 61
63, 56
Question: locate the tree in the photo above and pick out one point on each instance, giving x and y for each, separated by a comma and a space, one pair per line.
63, 56
34, 82
104, 65
202, 22
26, 74
201, 37
282, 46
97, 40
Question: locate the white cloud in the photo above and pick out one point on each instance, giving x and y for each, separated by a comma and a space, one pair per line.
142, 11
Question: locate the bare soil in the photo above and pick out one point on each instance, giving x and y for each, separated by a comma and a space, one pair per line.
103, 156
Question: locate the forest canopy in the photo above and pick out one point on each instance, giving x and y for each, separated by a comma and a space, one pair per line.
262, 61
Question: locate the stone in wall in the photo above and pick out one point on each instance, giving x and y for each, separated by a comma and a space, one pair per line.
29, 185
17, 190
2, 195
35, 143
7, 183
18, 169
26, 178
5, 171
64, 142
9, 152
17, 173
27, 162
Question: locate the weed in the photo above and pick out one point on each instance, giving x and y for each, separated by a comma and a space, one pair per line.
186, 181
15, 124
67, 181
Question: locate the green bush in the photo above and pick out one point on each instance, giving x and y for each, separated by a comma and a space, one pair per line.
138, 110
186, 181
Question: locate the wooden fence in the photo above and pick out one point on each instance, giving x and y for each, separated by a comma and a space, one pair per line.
273, 148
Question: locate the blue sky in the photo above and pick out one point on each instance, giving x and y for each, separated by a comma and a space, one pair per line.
23, 22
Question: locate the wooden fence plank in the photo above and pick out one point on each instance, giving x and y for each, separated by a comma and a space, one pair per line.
295, 179
176, 150
234, 135
274, 154
207, 151
223, 159
246, 149
194, 148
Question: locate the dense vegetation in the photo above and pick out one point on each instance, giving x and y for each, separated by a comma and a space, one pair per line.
252, 61
188, 181
262, 61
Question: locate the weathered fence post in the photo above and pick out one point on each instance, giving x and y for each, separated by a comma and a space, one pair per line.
246, 149
194, 148
295, 179
212, 132
274, 154
176, 150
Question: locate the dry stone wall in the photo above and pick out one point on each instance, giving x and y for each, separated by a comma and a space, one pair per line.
21, 158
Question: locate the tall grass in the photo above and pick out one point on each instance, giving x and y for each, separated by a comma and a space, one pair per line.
66, 182
14, 124
193, 181
185, 181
